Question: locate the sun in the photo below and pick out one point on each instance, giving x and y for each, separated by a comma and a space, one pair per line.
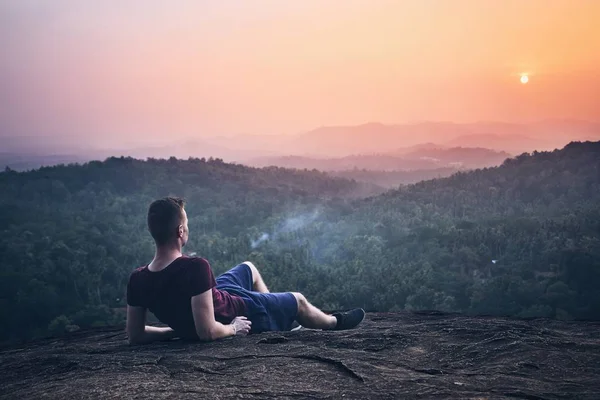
524, 79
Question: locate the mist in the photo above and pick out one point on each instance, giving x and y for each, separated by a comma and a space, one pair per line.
290, 224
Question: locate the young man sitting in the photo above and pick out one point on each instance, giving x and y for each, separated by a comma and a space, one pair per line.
183, 293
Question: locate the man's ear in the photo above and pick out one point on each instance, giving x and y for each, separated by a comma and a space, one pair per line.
180, 231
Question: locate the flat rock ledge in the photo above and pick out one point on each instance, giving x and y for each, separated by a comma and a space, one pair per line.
390, 356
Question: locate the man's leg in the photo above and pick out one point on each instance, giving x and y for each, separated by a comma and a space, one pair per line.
257, 281
310, 316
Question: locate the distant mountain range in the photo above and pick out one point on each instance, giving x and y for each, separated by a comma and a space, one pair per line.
416, 158
393, 179
373, 138
27, 161
372, 146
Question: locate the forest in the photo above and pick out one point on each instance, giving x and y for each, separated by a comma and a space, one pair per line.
521, 239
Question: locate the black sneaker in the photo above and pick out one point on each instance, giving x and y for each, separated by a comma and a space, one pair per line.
349, 319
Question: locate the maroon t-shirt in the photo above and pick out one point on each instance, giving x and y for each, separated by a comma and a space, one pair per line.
167, 294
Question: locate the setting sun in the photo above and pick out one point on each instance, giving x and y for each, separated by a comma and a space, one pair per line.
524, 79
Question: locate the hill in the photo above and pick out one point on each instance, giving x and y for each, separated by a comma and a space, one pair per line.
393, 179
544, 180
514, 143
340, 141
26, 161
399, 355
522, 239
420, 158
519, 239
322, 142
460, 157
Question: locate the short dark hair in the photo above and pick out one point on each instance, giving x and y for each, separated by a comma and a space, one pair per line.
164, 216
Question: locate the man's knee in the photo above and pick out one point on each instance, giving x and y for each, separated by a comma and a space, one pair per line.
302, 302
250, 264
253, 269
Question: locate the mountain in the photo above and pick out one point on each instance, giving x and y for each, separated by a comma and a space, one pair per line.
26, 161
420, 157
370, 162
539, 179
512, 143
339, 141
369, 138
393, 179
435, 162
459, 157
416, 148
390, 356
518, 239
323, 142
373, 138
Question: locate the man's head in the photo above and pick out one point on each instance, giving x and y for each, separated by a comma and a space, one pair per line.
167, 222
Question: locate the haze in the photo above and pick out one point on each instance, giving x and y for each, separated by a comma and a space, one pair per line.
146, 72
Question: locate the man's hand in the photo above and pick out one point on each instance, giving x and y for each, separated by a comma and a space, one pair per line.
207, 328
241, 326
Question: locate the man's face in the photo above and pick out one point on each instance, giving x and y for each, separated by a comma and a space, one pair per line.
184, 230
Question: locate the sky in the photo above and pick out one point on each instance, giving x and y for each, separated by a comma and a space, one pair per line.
143, 71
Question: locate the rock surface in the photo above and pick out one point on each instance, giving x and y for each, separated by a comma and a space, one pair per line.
396, 355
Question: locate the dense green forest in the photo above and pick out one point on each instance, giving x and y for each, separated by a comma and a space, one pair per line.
522, 239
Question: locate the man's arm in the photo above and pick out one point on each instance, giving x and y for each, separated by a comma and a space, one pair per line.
140, 333
207, 328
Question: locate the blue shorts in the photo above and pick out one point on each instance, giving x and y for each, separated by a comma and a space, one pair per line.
266, 311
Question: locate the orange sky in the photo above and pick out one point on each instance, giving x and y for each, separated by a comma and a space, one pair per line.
151, 68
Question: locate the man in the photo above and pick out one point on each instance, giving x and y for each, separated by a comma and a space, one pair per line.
183, 293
